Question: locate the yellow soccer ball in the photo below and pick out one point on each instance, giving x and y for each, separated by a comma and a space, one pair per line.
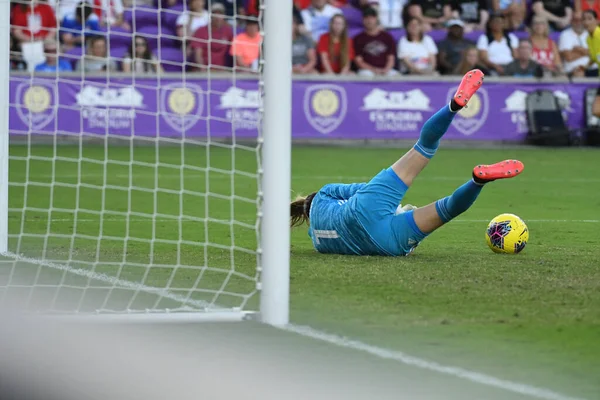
507, 233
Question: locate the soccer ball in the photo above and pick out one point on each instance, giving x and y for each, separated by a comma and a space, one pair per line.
507, 233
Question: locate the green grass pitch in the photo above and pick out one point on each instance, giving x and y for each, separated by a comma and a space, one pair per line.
532, 318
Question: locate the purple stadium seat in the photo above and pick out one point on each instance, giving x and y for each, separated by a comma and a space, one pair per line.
438, 34
397, 33
354, 31
521, 34
118, 52
118, 37
140, 17
74, 55
153, 33
353, 16
178, 7
171, 59
169, 17
473, 36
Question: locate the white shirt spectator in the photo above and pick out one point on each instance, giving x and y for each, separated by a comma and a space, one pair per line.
498, 52
390, 13
317, 22
568, 40
418, 53
198, 21
65, 7
110, 10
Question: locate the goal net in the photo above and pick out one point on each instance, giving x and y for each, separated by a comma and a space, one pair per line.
135, 158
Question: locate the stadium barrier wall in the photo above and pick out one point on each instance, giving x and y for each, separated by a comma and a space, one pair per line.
357, 109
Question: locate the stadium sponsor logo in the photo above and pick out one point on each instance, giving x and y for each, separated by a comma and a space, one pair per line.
113, 108
516, 105
396, 111
325, 107
471, 118
36, 103
242, 107
182, 105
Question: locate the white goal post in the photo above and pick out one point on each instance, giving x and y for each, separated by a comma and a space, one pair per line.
149, 197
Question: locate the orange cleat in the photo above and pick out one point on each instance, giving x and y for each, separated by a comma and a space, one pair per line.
470, 83
502, 170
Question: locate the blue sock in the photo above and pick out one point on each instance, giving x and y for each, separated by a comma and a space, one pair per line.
433, 130
458, 202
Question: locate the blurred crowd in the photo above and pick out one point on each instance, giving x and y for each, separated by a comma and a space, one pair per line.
518, 38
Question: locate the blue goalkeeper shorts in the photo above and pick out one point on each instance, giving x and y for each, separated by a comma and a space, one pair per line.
376, 205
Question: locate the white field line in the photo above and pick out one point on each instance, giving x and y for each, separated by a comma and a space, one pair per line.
406, 359
403, 358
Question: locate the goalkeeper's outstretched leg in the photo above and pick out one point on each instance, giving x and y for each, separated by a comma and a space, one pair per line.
436, 214
415, 160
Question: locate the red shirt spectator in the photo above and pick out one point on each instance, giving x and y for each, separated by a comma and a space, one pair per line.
335, 61
302, 4
32, 23
584, 5
218, 34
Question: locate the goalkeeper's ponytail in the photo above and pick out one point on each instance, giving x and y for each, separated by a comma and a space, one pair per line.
300, 210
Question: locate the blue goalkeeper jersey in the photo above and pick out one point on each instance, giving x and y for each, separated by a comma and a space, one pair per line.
334, 227
360, 219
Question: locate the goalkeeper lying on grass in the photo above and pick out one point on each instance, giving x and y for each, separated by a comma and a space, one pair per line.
365, 218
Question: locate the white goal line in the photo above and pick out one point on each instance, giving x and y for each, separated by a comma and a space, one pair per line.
483, 379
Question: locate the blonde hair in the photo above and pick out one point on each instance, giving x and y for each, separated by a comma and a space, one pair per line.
544, 21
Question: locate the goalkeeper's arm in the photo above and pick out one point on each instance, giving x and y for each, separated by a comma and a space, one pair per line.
342, 191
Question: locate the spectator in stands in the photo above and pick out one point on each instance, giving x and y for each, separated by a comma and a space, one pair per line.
53, 62
390, 13
523, 66
473, 12
245, 48
513, 10
140, 59
470, 60
497, 47
375, 49
316, 17
110, 13
417, 52
211, 43
573, 47
32, 21
304, 56
97, 58
557, 12
451, 49
336, 48
302, 4
590, 22
584, 5
193, 18
432, 13
16, 56
232, 7
75, 26
138, 3
545, 50
65, 7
